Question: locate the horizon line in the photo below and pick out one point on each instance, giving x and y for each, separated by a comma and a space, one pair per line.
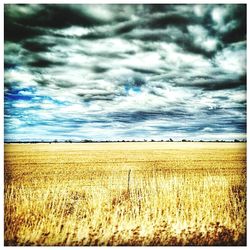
115, 141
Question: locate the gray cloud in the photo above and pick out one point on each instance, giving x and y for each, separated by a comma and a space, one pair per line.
36, 46
139, 70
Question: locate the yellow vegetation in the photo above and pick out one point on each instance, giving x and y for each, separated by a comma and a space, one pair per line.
125, 194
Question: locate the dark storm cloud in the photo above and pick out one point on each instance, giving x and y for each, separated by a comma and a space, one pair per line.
8, 66
183, 39
236, 16
64, 84
97, 97
39, 18
144, 71
105, 55
61, 16
99, 69
36, 46
123, 71
17, 32
125, 27
43, 63
175, 19
140, 116
137, 80
214, 84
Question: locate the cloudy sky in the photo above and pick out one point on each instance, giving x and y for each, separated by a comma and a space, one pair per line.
114, 72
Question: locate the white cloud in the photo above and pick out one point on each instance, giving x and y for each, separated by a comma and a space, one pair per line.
22, 104
201, 38
144, 61
23, 76
232, 59
207, 129
72, 109
73, 31
218, 14
101, 12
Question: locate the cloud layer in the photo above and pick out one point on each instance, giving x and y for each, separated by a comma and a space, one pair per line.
114, 72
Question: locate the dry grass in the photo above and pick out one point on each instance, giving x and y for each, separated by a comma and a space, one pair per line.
78, 194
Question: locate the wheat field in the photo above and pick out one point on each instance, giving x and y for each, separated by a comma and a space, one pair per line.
130, 194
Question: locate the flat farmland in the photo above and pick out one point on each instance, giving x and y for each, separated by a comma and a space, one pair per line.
132, 194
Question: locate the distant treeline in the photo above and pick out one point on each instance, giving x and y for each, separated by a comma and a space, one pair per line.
112, 141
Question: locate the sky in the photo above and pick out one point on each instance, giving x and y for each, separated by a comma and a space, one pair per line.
124, 72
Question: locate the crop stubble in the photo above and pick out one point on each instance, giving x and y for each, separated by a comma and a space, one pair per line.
80, 194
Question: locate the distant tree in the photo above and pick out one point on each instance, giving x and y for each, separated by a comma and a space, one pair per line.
236, 140
55, 141
145, 140
183, 140
171, 139
86, 141
152, 140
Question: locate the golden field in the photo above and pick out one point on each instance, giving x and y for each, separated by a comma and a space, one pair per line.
142, 194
